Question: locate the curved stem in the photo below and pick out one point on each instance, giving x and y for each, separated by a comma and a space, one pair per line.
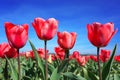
98, 58
19, 73
46, 63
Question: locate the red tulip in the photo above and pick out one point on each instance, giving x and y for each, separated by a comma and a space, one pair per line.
87, 58
22, 54
94, 58
105, 55
53, 57
60, 52
17, 35
66, 40
75, 55
6, 49
81, 60
41, 52
100, 34
29, 54
45, 29
117, 58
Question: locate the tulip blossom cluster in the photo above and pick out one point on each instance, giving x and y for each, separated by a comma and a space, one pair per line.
82, 60
30, 54
7, 50
104, 56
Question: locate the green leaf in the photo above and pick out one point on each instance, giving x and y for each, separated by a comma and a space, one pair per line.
50, 67
85, 73
71, 76
55, 75
63, 65
92, 76
107, 68
38, 60
116, 77
57, 72
14, 74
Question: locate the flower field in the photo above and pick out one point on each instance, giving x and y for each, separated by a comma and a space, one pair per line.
39, 64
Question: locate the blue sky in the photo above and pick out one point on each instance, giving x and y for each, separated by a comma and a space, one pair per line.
73, 16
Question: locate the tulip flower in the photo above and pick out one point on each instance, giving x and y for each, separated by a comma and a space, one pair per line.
17, 36
81, 60
75, 54
45, 30
117, 58
7, 50
60, 53
94, 58
41, 53
53, 57
100, 35
29, 54
105, 55
66, 40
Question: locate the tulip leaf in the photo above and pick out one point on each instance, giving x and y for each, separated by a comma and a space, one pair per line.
92, 76
55, 75
14, 74
116, 77
107, 68
72, 76
50, 67
63, 65
57, 72
38, 60
85, 72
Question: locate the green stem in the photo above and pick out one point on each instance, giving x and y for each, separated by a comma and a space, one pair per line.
19, 73
67, 54
46, 62
66, 57
99, 69
6, 70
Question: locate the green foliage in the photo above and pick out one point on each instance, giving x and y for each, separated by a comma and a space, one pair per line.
33, 69
38, 60
13, 70
107, 68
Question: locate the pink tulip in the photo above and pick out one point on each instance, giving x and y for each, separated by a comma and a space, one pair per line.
7, 50
66, 40
100, 34
105, 55
45, 29
17, 35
